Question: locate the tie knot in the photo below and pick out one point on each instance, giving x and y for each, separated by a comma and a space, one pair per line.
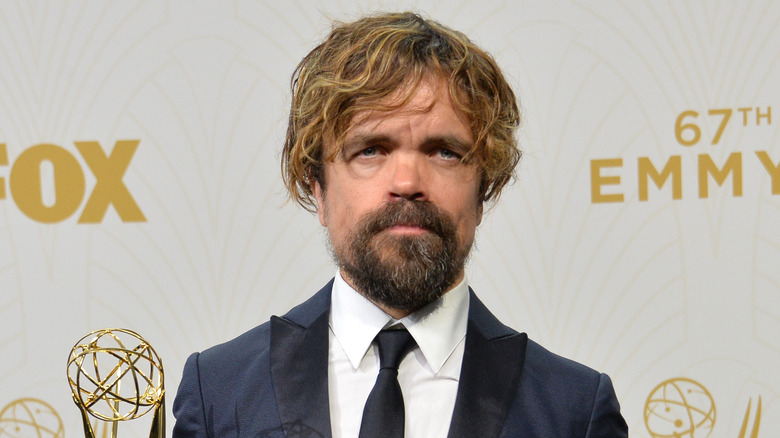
393, 346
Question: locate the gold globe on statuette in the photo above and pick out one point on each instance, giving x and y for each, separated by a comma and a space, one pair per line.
115, 375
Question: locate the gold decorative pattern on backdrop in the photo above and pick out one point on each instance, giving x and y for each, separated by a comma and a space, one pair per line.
30, 417
684, 408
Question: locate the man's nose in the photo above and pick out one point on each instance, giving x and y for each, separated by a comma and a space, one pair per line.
407, 178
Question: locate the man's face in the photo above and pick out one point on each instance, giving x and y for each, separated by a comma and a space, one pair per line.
400, 206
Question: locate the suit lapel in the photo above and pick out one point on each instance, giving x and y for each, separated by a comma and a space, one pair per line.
492, 364
299, 367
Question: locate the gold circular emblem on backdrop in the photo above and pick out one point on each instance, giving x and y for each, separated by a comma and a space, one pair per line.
680, 408
30, 417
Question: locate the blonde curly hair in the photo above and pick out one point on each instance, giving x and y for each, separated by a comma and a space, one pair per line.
363, 62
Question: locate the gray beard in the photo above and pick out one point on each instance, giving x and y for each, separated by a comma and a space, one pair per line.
403, 272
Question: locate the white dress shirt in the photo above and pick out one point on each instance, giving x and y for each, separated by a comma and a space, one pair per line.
428, 375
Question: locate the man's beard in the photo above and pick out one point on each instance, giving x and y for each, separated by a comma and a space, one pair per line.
403, 272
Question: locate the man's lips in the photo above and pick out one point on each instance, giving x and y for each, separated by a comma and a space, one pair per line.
407, 229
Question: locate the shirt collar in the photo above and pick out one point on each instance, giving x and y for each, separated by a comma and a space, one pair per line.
437, 328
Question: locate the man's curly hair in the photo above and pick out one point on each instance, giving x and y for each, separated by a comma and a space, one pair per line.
361, 63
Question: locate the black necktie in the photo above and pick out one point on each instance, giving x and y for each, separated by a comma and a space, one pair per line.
383, 415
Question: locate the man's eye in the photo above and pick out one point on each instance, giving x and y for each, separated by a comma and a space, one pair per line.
368, 152
448, 154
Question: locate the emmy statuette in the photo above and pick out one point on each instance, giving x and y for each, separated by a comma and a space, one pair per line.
115, 375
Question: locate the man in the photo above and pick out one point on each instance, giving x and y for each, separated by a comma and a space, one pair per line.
400, 131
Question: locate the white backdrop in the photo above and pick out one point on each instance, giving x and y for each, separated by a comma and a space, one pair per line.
649, 289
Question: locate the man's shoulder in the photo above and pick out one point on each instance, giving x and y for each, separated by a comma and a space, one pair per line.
573, 397
553, 395
555, 380
239, 351
542, 363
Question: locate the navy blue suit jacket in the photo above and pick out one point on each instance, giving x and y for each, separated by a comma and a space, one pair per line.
273, 382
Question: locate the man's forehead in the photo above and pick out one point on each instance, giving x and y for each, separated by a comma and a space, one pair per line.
408, 99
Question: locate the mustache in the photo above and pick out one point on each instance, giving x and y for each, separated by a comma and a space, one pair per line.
421, 214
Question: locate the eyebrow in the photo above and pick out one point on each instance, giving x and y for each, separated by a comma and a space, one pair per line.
449, 142
362, 140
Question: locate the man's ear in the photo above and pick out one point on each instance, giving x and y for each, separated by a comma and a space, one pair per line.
319, 196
